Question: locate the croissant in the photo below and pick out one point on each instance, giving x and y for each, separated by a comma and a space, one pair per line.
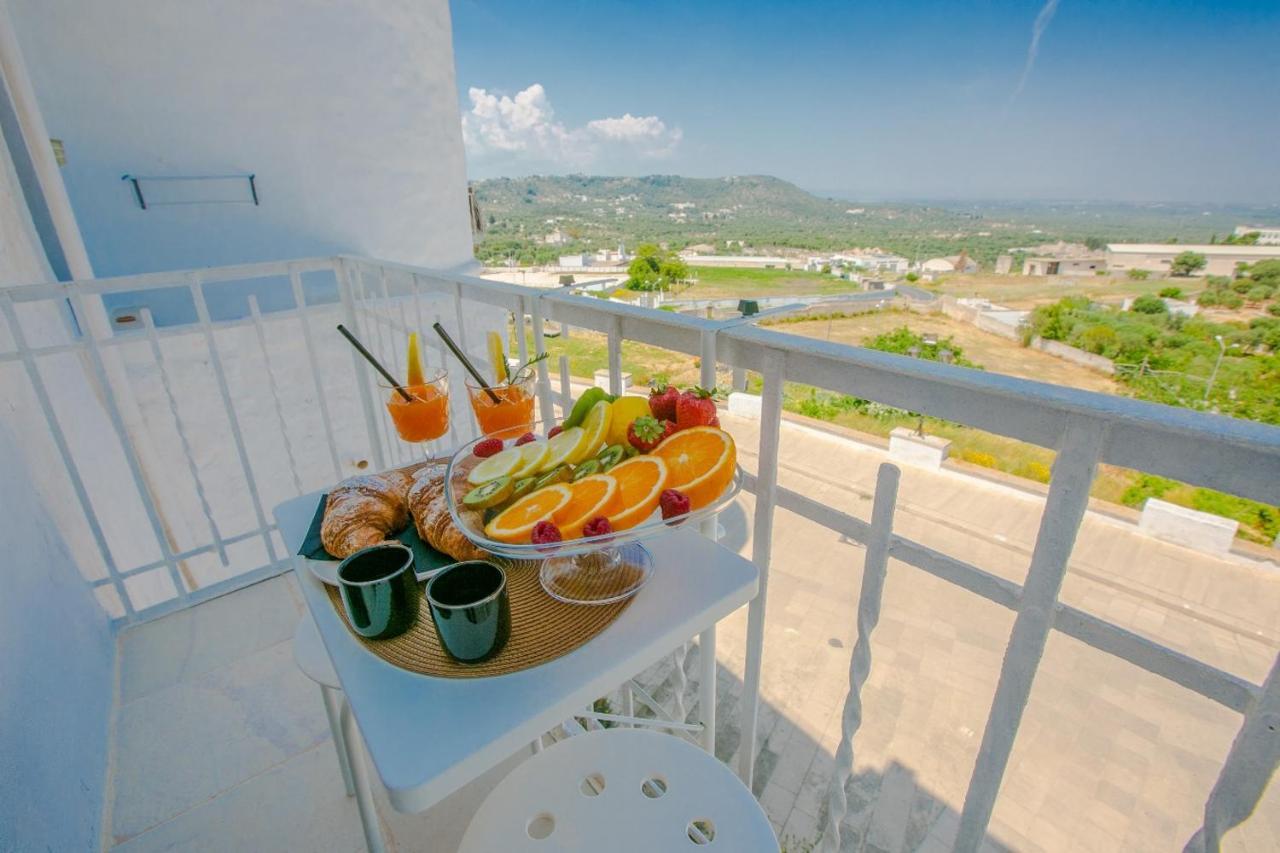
365, 510
430, 511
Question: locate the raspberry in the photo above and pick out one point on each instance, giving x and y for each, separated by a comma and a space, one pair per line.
673, 503
488, 447
597, 526
525, 439
555, 430
545, 532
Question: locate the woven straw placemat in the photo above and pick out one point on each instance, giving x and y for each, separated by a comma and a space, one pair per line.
542, 629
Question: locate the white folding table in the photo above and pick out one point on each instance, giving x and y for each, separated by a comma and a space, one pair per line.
428, 736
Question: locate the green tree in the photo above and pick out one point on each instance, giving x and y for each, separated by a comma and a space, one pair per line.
1148, 304
1188, 263
1138, 275
1171, 292
1095, 244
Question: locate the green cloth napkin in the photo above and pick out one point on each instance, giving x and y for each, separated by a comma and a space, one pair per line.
425, 558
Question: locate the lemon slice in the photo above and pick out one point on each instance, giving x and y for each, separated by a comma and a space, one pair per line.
498, 465
531, 458
560, 448
595, 427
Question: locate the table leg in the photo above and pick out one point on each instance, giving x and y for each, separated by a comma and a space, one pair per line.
332, 700
360, 775
707, 687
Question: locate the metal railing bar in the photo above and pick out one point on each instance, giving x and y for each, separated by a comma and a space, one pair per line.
615, 356
517, 317
130, 452
544, 374
1064, 509
1250, 764
64, 449
237, 434
148, 323
207, 593
275, 394
190, 552
346, 290
304, 317
1228, 454
875, 566
160, 280
773, 369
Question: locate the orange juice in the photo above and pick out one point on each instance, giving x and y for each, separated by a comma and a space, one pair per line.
511, 416
424, 417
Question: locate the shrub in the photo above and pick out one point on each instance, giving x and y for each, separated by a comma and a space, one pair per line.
1171, 293
1033, 470
1274, 308
1097, 339
1242, 285
978, 457
1258, 294
1149, 304
1231, 300
1209, 298
912, 277
1146, 486
1138, 275
1256, 515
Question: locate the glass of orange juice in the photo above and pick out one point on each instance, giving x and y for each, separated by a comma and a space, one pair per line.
511, 415
426, 415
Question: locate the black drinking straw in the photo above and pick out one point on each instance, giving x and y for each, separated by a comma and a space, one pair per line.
466, 362
376, 365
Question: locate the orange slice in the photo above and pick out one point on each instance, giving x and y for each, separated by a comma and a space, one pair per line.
701, 462
641, 480
515, 523
591, 496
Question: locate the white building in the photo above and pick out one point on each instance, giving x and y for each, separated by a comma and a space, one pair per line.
557, 238
949, 265
575, 261
1268, 235
745, 261
1221, 259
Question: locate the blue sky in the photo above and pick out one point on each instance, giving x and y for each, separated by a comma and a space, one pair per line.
1125, 99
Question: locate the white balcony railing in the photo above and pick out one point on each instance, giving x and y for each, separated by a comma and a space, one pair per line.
165, 460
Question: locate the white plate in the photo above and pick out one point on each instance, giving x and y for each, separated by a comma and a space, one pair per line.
327, 571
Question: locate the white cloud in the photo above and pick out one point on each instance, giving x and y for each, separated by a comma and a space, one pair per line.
524, 127
1033, 49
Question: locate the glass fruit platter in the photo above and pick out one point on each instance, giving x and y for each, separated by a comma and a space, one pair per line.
574, 497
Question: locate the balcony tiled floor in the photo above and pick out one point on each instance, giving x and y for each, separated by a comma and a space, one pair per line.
221, 743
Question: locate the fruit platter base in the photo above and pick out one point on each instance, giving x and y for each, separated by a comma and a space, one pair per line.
606, 576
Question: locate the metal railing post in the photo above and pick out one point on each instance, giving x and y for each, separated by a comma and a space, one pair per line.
1064, 508
361, 370
762, 541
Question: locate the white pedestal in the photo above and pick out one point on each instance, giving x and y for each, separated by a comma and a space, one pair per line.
602, 381
1197, 530
745, 405
922, 451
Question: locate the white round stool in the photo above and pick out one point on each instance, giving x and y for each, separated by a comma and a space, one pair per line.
312, 658
620, 790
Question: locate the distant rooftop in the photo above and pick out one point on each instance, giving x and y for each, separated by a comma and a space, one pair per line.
1202, 248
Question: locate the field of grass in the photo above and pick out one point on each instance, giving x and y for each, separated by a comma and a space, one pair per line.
731, 283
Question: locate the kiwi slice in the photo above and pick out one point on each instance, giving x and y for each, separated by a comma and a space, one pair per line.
490, 494
558, 474
586, 469
522, 487
610, 456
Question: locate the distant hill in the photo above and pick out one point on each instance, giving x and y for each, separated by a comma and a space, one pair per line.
767, 213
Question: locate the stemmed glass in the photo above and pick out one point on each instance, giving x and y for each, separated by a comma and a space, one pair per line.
425, 416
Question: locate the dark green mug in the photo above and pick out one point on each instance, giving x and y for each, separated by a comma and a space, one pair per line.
470, 610
379, 590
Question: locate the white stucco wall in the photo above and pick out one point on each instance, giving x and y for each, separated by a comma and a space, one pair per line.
346, 110
57, 663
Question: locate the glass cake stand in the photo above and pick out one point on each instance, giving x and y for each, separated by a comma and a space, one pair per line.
587, 570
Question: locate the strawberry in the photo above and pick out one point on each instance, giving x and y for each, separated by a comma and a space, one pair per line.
673, 503
695, 408
554, 431
545, 532
646, 433
488, 447
597, 527
662, 401
525, 439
